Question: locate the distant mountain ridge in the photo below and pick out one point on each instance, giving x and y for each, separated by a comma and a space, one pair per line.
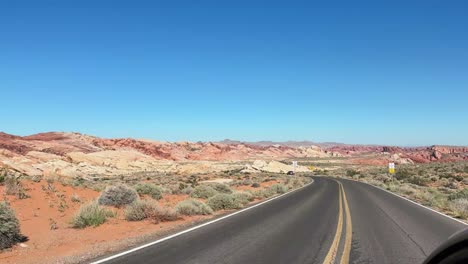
290, 143
73, 154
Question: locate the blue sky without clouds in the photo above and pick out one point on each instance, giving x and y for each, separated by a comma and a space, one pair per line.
366, 72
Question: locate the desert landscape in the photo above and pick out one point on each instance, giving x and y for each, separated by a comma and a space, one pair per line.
69, 197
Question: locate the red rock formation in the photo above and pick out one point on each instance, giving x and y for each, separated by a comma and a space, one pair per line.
416, 154
62, 143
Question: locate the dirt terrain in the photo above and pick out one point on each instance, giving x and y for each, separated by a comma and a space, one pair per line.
46, 213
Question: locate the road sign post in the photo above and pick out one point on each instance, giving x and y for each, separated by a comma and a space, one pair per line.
294, 164
391, 169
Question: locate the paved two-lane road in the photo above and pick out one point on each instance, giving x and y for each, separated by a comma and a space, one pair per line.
329, 221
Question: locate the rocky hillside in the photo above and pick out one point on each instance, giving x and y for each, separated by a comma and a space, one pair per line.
416, 154
74, 154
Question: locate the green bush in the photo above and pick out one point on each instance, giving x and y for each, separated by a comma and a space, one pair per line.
351, 173
13, 186
243, 197
149, 189
91, 214
203, 191
434, 198
421, 181
142, 209
278, 188
264, 193
460, 207
452, 176
9, 227
3, 175
187, 190
403, 174
465, 169
223, 201
458, 195
164, 214
246, 182
118, 195
297, 182
193, 207
255, 185
221, 188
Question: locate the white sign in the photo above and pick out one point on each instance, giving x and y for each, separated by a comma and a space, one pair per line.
294, 163
391, 168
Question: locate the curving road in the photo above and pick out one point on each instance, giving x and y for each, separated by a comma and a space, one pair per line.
329, 221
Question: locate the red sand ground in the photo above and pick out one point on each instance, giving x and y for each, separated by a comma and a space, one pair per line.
44, 245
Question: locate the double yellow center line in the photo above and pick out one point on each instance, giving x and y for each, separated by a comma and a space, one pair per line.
333, 251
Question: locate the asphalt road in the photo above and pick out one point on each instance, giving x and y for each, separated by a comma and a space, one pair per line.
329, 221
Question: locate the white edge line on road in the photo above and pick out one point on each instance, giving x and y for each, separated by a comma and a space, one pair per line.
404, 198
193, 228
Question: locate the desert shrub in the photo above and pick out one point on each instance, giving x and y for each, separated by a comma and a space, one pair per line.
255, 185
143, 209
14, 187
243, 197
172, 189
182, 186
36, 178
458, 195
223, 201
460, 207
166, 214
140, 210
149, 189
375, 182
452, 184
166, 190
118, 195
203, 191
91, 214
263, 193
187, 190
297, 182
382, 178
351, 173
221, 188
443, 181
465, 169
192, 180
246, 182
193, 207
75, 198
421, 181
9, 227
433, 198
403, 174
451, 176
3, 175
278, 188
403, 189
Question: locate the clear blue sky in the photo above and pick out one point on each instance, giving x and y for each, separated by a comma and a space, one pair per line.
360, 72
